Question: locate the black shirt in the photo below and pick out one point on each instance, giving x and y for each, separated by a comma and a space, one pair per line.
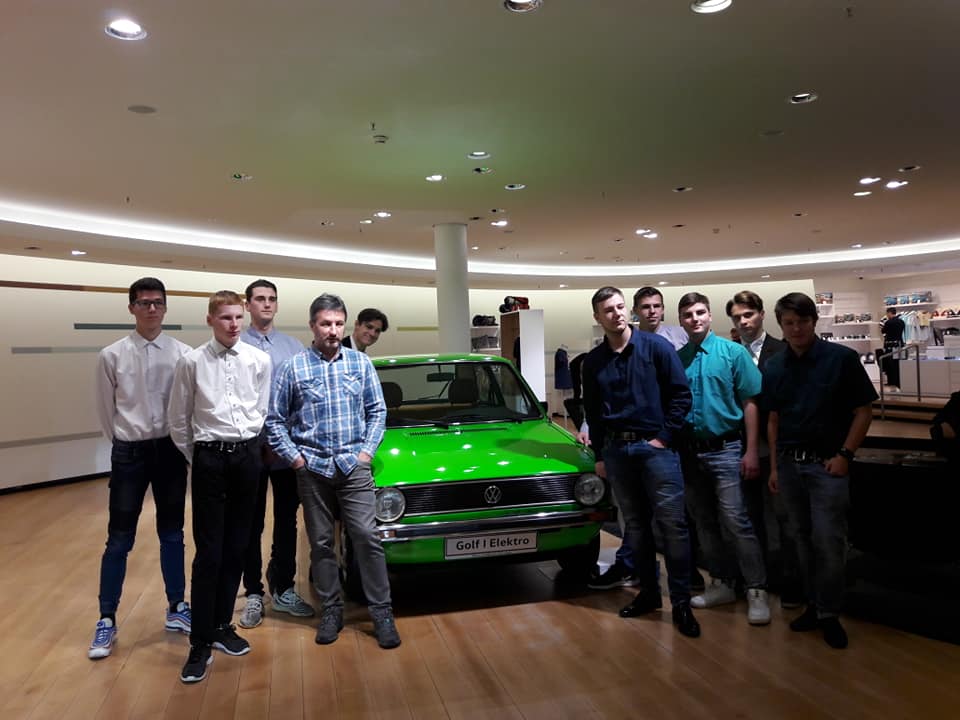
892, 330
815, 395
643, 389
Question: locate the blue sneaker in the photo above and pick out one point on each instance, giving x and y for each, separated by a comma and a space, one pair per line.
179, 619
103, 639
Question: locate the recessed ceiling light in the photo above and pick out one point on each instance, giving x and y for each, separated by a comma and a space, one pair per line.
483, 170
707, 7
663, 282
642, 231
857, 246
869, 180
679, 225
125, 29
478, 155
683, 188
500, 223
475, 217
862, 193
475, 247
367, 221
514, 186
434, 178
32, 247
909, 168
771, 133
764, 277
522, 6
894, 184
241, 177
497, 210
78, 252
802, 98
799, 214
651, 235
142, 109
563, 285
382, 214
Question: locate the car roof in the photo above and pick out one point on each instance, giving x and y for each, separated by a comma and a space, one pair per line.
394, 360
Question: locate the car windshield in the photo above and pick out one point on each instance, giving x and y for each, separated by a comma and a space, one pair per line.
443, 394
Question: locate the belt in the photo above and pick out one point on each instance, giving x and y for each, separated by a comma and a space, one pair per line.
802, 456
630, 435
226, 447
713, 444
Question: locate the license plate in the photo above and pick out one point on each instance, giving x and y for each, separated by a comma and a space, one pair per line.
499, 544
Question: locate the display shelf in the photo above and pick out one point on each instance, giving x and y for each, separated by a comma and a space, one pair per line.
824, 305
850, 340
861, 323
946, 319
912, 305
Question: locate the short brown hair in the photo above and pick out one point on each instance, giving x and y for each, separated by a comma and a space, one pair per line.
747, 298
223, 297
692, 298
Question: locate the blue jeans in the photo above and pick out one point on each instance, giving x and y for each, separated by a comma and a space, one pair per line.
649, 488
817, 504
716, 503
354, 494
134, 466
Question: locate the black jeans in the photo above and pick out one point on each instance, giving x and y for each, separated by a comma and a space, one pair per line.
282, 567
224, 494
133, 466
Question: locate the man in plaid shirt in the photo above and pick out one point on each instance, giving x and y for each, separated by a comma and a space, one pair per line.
326, 420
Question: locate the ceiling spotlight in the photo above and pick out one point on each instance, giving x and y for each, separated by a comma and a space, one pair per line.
706, 7
500, 223
497, 210
514, 186
799, 214
382, 214
683, 188
434, 178
522, 6
857, 246
642, 231
862, 193
142, 109
366, 221
78, 252
894, 184
909, 168
663, 282
802, 98
478, 155
125, 29
483, 170
869, 180
764, 277
475, 247
241, 177
651, 236
563, 285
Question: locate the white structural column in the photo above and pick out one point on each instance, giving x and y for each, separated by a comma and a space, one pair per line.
453, 296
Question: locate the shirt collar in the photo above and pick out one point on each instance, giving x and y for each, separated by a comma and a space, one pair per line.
757, 345
810, 355
219, 349
141, 342
320, 356
255, 334
708, 342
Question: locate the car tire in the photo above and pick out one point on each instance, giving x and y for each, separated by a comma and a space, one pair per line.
579, 563
350, 569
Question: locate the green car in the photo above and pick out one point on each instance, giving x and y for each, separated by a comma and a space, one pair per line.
472, 468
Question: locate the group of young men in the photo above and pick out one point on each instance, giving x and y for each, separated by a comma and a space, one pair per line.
708, 443
244, 409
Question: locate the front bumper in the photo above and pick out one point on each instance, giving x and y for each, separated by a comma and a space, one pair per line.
558, 520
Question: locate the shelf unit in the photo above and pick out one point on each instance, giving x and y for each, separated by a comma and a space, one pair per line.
485, 339
847, 303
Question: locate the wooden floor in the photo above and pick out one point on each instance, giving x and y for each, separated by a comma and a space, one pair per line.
503, 642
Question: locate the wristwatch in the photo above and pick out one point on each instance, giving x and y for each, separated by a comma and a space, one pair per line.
847, 454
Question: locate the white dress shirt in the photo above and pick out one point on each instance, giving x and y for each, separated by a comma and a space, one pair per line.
219, 393
756, 346
133, 381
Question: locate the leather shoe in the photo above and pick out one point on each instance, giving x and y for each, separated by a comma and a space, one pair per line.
642, 604
833, 633
807, 621
685, 621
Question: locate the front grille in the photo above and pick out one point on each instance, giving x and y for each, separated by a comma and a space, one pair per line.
463, 496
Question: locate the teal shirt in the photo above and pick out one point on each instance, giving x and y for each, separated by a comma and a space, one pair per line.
722, 376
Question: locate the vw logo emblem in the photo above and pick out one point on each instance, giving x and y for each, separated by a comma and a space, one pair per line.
492, 495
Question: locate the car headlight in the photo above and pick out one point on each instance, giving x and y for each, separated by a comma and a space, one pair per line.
390, 504
589, 489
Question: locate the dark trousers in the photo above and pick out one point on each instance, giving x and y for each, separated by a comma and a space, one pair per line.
769, 517
224, 493
282, 567
134, 466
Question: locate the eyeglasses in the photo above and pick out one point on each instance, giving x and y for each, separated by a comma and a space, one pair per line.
145, 304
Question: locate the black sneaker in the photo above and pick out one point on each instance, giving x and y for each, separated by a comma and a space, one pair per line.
385, 629
617, 575
225, 638
199, 659
806, 621
331, 623
833, 632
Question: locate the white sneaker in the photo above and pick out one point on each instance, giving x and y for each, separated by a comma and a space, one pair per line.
758, 609
716, 593
252, 614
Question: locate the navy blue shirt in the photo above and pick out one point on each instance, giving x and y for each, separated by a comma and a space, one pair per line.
815, 394
642, 389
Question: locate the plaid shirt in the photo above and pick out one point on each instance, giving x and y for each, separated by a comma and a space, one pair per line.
328, 411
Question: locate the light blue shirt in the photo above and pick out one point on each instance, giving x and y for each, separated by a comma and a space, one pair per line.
722, 376
280, 348
328, 411
675, 334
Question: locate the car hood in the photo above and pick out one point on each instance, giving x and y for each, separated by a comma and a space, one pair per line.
476, 452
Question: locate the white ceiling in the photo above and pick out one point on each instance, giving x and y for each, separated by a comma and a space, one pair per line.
601, 107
